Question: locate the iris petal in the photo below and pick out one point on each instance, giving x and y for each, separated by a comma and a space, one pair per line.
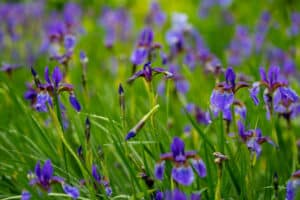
199, 166
159, 170
71, 191
183, 175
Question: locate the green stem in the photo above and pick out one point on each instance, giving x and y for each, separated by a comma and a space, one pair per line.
58, 114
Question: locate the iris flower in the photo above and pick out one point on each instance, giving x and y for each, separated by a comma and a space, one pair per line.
44, 179
44, 92
223, 95
148, 72
253, 138
182, 172
176, 195
275, 87
292, 186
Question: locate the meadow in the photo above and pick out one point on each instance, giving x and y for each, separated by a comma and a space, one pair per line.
128, 99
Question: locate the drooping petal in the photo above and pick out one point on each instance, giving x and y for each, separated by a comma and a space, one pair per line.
139, 55
108, 191
57, 179
289, 93
254, 92
159, 170
57, 76
71, 191
69, 42
25, 195
290, 193
159, 195
199, 166
74, 102
196, 196
175, 195
183, 175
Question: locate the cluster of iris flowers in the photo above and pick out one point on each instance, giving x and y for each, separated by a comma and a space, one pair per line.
185, 47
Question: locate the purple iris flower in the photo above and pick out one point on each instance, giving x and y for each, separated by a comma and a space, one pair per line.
144, 47
44, 93
101, 180
286, 103
240, 47
72, 14
43, 177
201, 116
71, 191
148, 73
261, 30
292, 186
176, 194
223, 95
253, 138
116, 24
25, 195
9, 68
182, 172
156, 15
272, 81
294, 30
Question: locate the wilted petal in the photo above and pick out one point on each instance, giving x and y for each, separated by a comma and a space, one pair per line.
71, 191
199, 166
74, 102
159, 170
183, 175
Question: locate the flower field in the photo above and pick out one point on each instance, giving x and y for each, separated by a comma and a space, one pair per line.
127, 99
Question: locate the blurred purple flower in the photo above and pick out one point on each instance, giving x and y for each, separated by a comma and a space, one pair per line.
43, 95
182, 171
156, 15
25, 195
223, 95
43, 177
71, 191
148, 73
253, 138
292, 186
